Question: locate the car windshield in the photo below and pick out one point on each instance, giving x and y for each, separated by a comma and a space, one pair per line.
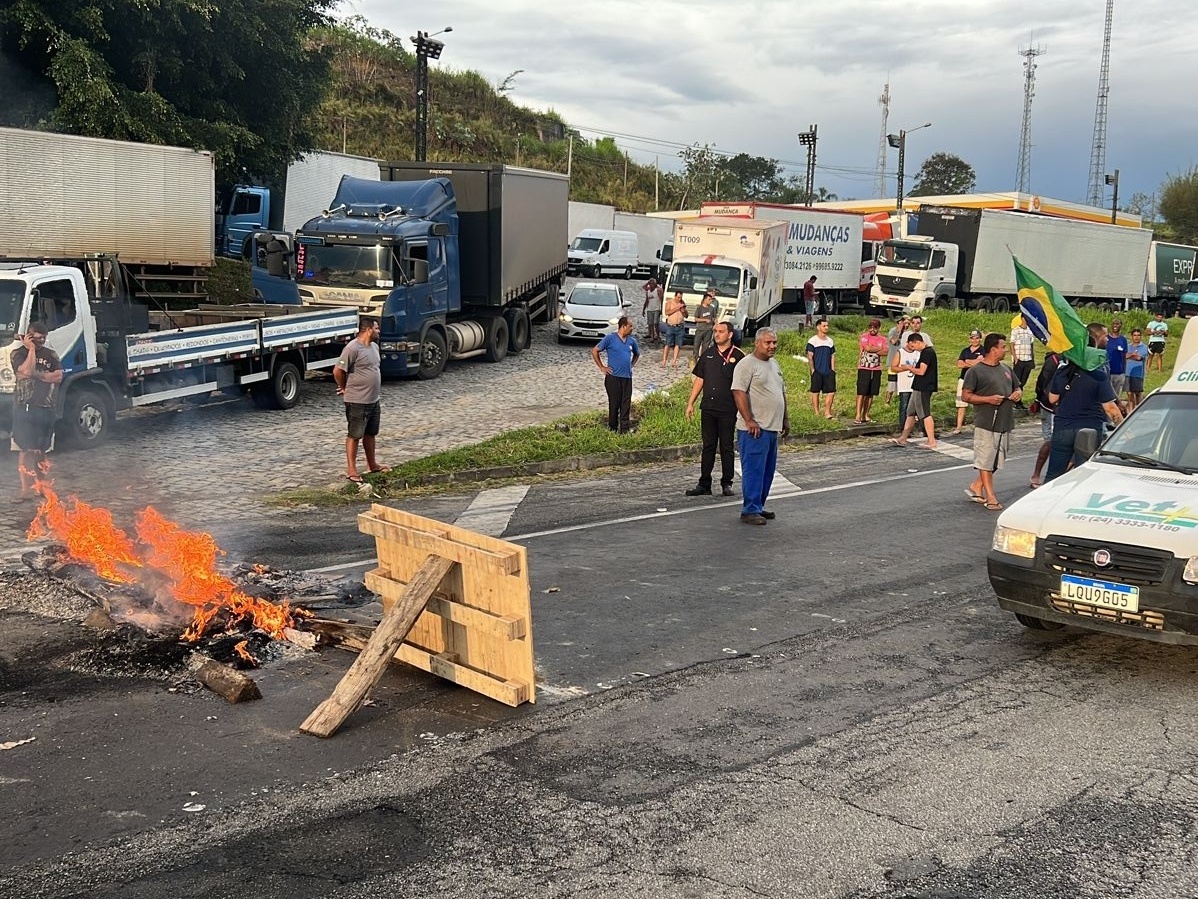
590, 244
1161, 433
697, 277
904, 255
12, 296
345, 265
594, 296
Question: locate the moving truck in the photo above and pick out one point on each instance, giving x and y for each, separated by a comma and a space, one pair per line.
961, 257
743, 260
1170, 270
1112, 544
826, 243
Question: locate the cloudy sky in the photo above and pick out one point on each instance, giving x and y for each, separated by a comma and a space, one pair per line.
747, 75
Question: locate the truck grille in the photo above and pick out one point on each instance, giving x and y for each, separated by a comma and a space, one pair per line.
1149, 618
897, 286
1136, 565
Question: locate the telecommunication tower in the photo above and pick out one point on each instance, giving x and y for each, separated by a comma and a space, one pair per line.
1097, 184
1023, 179
884, 102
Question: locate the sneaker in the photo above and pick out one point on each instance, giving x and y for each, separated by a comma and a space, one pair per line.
752, 519
727, 490
699, 491
768, 515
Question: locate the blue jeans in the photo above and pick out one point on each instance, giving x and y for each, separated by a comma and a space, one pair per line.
758, 459
1063, 452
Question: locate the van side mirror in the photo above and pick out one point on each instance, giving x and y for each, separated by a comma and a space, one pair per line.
1086, 442
752, 282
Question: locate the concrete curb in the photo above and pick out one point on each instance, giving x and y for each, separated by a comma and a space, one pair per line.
608, 460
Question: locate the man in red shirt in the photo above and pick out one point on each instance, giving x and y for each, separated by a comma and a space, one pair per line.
873, 349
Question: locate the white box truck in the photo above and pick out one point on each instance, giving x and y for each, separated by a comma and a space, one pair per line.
743, 261
826, 243
955, 256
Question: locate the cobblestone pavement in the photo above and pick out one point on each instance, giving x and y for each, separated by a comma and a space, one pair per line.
207, 463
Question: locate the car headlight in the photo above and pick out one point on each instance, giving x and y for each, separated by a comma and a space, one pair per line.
1015, 542
565, 319
1189, 574
613, 321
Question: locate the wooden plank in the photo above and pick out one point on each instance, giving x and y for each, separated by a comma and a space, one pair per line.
227, 682
450, 531
445, 666
439, 546
368, 668
505, 627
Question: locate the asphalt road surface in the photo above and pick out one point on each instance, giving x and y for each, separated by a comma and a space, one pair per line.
829, 706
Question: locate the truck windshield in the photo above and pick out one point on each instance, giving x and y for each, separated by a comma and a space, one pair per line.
905, 255
1162, 432
12, 297
696, 277
346, 265
590, 244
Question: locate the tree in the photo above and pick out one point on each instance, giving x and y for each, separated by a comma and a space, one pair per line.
240, 78
745, 177
794, 190
944, 173
1179, 204
700, 169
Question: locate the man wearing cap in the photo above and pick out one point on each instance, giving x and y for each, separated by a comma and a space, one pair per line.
923, 385
995, 390
970, 356
872, 349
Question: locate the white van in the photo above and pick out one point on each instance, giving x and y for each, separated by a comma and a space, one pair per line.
1112, 545
598, 250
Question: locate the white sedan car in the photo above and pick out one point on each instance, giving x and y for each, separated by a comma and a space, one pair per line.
590, 311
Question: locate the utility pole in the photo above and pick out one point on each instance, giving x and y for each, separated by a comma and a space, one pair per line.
899, 141
1113, 180
570, 156
426, 49
656, 180
1023, 169
1094, 190
809, 139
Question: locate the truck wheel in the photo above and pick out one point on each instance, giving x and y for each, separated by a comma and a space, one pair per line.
519, 327
1002, 304
497, 338
86, 418
432, 355
1037, 624
986, 304
282, 390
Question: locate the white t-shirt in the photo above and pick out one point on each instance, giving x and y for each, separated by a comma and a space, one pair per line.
907, 357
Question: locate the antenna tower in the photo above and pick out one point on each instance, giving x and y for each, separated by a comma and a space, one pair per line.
884, 102
1097, 185
1023, 179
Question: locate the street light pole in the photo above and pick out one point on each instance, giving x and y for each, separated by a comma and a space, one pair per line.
808, 139
899, 141
426, 49
1113, 180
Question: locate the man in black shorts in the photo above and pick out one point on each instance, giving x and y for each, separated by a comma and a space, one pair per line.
38, 372
359, 380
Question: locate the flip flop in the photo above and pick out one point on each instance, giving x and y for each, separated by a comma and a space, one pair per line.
992, 507
898, 442
974, 497
381, 469
355, 479
1033, 484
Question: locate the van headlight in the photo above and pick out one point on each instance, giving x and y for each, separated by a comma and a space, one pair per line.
1189, 574
1014, 542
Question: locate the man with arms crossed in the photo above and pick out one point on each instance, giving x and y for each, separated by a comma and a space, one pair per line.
713, 377
992, 388
761, 421
38, 372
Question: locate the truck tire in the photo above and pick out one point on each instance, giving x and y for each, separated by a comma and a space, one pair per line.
1002, 304
433, 355
86, 418
496, 339
282, 390
1037, 624
519, 328
985, 304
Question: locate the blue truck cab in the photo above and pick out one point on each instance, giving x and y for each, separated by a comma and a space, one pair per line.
455, 261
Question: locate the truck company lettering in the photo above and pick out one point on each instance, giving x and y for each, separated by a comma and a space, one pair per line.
1122, 509
825, 233
1183, 267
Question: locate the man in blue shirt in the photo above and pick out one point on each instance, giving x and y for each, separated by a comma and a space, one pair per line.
622, 353
1116, 351
1082, 399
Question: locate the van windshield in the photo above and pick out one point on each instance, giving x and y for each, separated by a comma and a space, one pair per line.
12, 296
1162, 432
905, 255
590, 244
697, 277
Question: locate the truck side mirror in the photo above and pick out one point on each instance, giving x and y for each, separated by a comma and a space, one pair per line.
420, 271
753, 282
1086, 442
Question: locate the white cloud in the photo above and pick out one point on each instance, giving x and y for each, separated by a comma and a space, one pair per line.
747, 76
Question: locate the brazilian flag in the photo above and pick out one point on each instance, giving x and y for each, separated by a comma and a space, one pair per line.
1053, 321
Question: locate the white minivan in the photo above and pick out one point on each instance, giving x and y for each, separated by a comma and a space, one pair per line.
598, 250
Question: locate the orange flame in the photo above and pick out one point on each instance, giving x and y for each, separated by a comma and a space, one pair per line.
242, 650
89, 533
189, 559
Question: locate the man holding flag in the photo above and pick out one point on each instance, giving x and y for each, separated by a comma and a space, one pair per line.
1081, 390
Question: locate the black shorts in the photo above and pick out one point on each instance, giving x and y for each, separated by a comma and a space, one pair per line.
869, 383
1134, 384
33, 430
823, 383
1156, 348
363, 420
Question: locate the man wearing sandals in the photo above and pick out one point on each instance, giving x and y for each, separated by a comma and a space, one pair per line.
360, 382
992, 388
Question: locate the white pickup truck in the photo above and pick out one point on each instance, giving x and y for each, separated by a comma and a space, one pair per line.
112, 360
1112, 545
